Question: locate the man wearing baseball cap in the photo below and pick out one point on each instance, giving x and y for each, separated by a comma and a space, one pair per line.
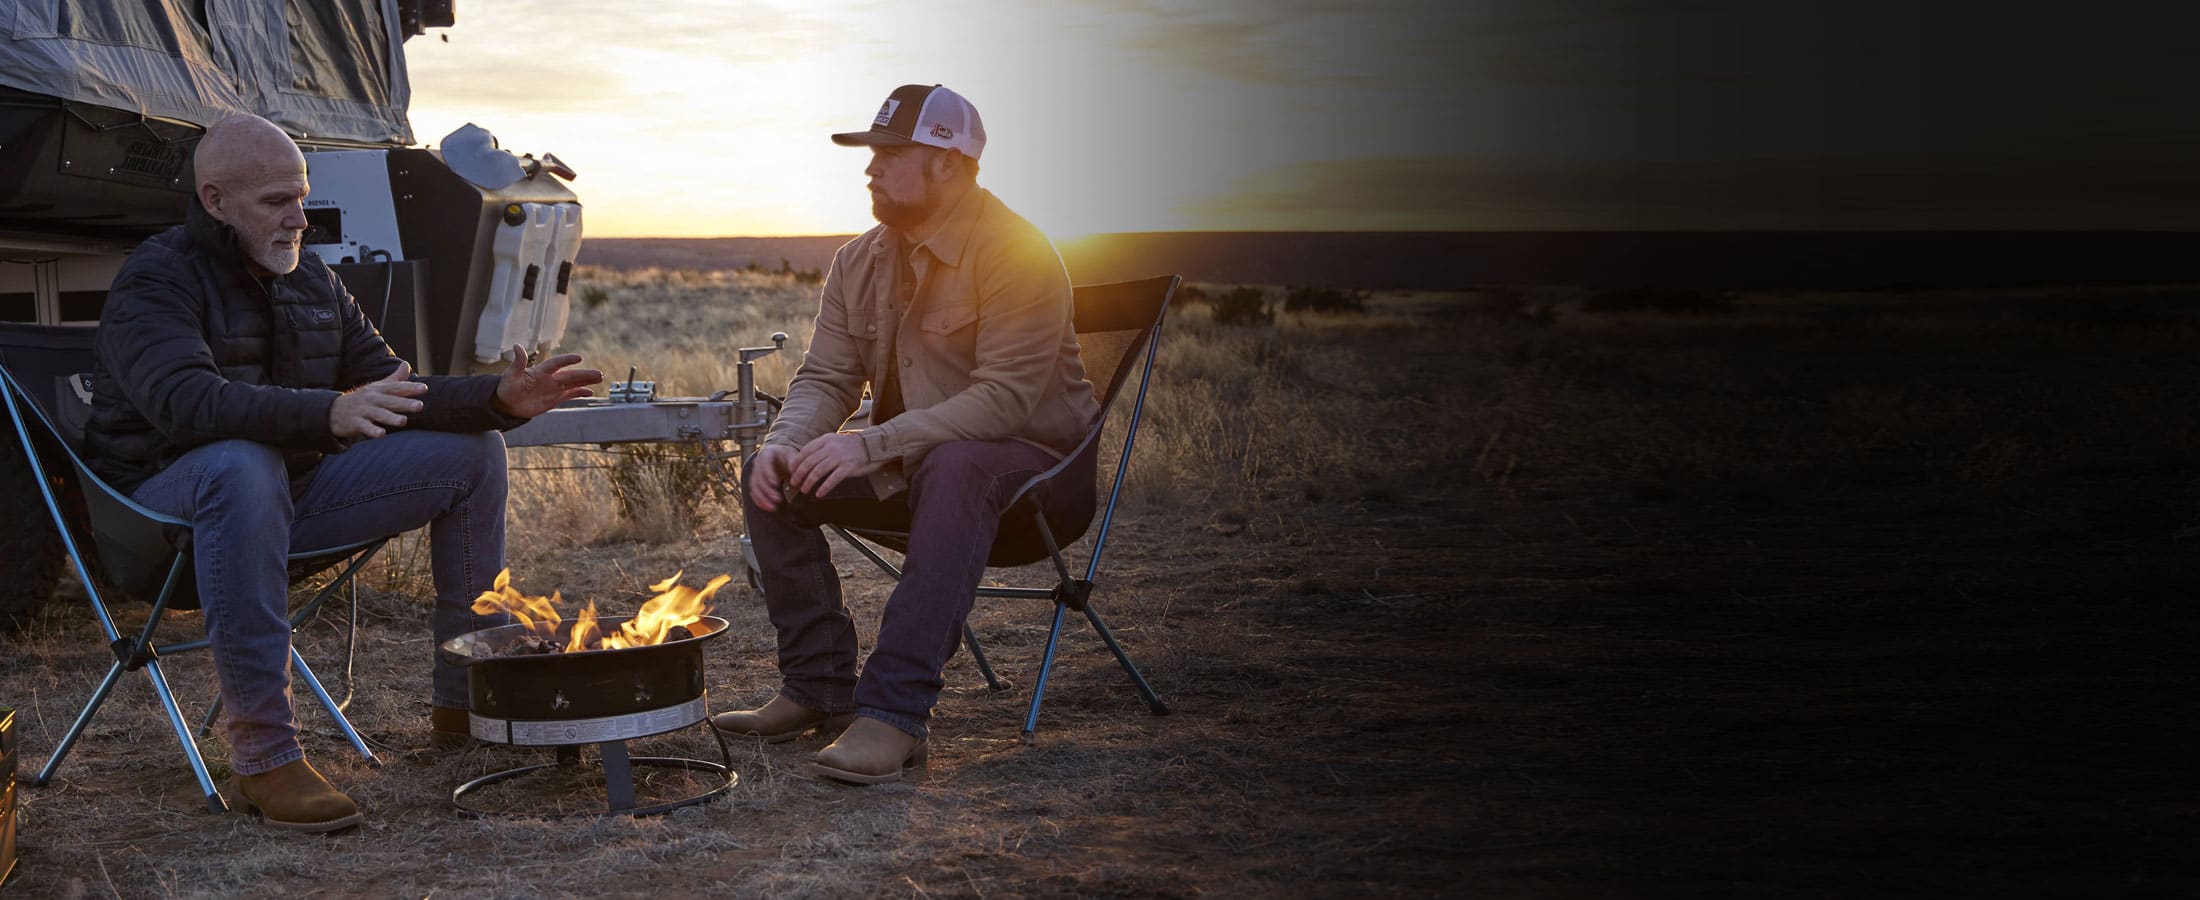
956, 312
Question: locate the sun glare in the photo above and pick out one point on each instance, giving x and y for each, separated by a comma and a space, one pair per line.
696, 120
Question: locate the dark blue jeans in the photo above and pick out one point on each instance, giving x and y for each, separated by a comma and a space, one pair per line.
952, 512
246, 516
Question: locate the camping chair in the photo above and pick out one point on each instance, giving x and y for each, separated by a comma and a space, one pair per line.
1118, 325
123, 550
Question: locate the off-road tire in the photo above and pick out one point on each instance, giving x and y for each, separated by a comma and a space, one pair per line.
30, 550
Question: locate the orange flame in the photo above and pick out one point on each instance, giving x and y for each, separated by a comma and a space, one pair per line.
675, 605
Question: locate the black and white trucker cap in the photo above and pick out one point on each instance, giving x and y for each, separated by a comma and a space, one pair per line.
922, 114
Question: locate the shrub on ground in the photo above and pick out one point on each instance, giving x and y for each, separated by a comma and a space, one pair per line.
1324, 301
659, 486
787, 270
1672, 301
1507, 305
1244, 306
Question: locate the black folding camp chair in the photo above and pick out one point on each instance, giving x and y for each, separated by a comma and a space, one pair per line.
1118, 328
123, 550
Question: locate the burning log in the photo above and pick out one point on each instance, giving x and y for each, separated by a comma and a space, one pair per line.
663, 618
534, 645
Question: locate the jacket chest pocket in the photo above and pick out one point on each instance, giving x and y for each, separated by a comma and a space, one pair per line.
860, 304
949, 333
313, 329
863, 325
307, 345
950, 312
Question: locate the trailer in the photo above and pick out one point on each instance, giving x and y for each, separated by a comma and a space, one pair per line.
456, 252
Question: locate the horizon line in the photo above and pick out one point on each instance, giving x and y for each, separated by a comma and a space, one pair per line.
2195, 230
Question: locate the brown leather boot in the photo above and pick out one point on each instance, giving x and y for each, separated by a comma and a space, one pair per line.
777, 722
869, 752
294, 797
449, 728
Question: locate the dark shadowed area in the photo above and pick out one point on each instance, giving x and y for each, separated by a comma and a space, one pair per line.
1450, 261
1514, 592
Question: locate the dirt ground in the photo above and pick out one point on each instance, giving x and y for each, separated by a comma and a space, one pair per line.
1798, 596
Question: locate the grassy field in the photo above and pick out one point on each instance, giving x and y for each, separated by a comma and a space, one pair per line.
1520, 592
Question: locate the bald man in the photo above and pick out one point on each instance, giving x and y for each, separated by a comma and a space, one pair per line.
238, 386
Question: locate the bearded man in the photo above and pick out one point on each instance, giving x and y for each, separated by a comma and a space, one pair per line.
956, 312
239, 386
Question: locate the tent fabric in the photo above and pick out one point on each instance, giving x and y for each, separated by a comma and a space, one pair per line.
322, 69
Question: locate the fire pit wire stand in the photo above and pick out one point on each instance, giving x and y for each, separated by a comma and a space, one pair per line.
618, 770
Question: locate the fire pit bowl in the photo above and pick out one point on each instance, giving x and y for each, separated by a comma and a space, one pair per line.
525, 692
583, 697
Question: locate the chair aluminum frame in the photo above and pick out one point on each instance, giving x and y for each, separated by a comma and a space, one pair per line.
1069, 592
139, 651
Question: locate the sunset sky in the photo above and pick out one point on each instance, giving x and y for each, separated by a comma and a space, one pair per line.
694, 117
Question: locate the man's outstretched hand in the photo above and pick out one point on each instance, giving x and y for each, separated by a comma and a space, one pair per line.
525, 391
371, 409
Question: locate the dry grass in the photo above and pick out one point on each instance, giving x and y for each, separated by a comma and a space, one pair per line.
1485, 593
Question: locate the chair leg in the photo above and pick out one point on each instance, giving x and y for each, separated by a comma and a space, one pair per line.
342, 581
214, 801
1153, 700
1046, 666
76, 728
970, 639
970, 636
297, 620
206, 725
343, 724
320, 692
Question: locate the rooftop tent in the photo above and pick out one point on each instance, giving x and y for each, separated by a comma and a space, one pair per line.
330, 70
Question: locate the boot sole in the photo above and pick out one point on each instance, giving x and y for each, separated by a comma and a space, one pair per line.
916, 758
310, 827
237, 797
839, 721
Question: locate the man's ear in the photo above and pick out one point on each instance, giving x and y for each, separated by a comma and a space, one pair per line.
210, 196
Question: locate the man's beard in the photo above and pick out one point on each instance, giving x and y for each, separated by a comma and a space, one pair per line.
899, 215
277, 260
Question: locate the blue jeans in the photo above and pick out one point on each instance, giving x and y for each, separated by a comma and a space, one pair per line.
952, 513
247, 515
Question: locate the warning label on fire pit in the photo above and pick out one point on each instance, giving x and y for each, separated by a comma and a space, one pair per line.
557, 732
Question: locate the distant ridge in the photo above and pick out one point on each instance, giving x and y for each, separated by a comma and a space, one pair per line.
711, 253
1458, 260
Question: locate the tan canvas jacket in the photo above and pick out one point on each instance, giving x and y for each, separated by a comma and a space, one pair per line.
987, 349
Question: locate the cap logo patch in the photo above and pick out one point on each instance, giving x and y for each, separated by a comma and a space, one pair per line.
942, 132
886, 111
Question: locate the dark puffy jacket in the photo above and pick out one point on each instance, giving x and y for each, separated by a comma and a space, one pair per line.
193, 348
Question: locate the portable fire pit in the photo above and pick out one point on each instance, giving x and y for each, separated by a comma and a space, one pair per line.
526, 690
